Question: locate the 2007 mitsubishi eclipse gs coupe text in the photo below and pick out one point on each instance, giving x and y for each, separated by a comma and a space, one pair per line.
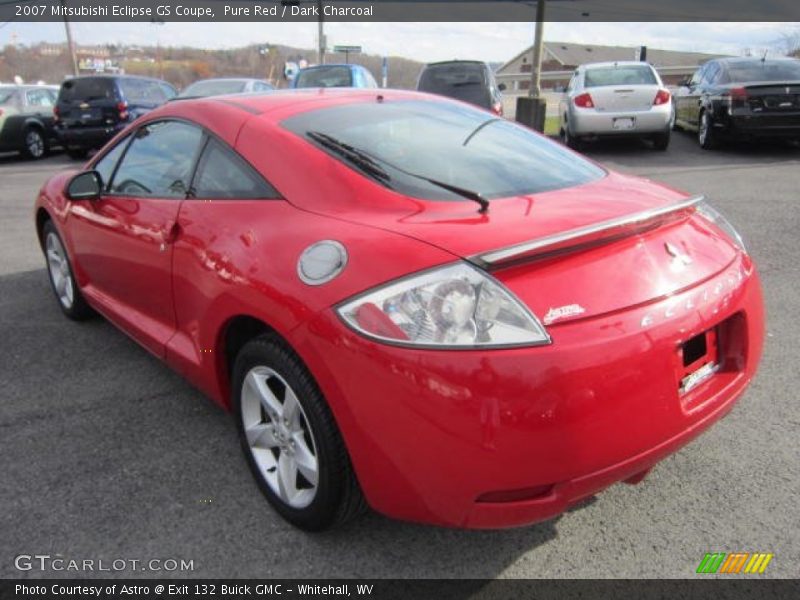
407, 302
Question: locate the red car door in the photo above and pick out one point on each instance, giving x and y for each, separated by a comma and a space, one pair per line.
123, 240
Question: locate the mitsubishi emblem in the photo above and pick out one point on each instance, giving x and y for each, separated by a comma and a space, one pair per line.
677, 255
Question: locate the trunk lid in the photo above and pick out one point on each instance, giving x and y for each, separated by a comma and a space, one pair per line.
623, 98
638, 266
772, 97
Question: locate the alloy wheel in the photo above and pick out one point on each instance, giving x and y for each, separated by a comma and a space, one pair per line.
34, 143
58, 268
279, 437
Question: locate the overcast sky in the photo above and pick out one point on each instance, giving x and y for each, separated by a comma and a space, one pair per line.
421, 41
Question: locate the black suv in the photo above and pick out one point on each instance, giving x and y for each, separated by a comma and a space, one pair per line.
466, 80
92, 110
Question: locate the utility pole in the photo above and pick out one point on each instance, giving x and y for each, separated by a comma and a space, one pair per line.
538, 43
320, 35
70, 45
531, 110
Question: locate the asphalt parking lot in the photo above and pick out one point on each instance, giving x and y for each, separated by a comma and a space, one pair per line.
105, 453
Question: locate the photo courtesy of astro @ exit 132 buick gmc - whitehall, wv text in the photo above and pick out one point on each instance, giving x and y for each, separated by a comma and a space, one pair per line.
478, 342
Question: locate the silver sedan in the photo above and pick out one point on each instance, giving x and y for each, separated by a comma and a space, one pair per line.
615, 99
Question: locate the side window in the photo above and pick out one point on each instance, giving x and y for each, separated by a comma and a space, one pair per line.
159, 161
39, 98
105, 166
223, 174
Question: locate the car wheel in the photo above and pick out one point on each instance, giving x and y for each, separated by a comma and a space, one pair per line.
35, 144
570, 140
62, 280
673, 119
706, 135
77, 153
661, 140
290, 439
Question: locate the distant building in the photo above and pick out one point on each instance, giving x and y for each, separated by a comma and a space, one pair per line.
560, 59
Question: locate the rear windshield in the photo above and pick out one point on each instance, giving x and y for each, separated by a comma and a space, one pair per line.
327, 77
142, 90
623, 75
214, 88
88, 88
461, 81
764, 71
451, 143
6, 95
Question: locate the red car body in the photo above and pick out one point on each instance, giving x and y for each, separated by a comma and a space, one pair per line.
469, 438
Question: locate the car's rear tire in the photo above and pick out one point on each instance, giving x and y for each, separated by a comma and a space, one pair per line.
77, 153
290, 439
706, 135
35, 144
62, 279
661, 140
569, 140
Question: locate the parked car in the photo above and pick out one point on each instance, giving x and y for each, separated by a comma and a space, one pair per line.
91, 110
741, 98
26, 119
325, 76
465, 80
615, 99
362, 281
218, 87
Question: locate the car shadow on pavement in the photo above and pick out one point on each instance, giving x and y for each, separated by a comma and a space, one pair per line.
106, 453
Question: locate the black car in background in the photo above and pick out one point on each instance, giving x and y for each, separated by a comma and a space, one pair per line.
26, 119
741, 98
466, 80
91, 110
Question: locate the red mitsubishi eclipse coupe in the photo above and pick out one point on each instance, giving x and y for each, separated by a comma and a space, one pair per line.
407, 302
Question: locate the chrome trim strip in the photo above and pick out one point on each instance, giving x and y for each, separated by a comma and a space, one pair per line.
540, 245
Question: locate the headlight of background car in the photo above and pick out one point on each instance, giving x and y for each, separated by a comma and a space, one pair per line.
457, 306
704, 209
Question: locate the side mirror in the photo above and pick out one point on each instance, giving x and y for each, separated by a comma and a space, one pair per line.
501, 87
85, 186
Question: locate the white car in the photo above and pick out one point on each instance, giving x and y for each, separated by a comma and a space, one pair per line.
625, 98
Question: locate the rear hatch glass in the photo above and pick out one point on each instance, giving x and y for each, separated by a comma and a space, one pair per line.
462, 81
87, 100
326, 77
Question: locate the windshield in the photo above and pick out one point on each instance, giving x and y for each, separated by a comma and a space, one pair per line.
622, 75
214, 88
325, 77
87, 88
764, 71
463, 81
453, 144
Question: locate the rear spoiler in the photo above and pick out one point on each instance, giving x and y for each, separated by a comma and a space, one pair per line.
589, 235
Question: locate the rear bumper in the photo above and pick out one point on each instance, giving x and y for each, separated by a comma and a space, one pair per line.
768, 126
438, 436
590, 122
87, 138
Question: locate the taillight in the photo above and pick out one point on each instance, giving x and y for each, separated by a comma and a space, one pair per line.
662, 97
56, 113
1, 112
738, 96
497, 108
122, 107
584, 100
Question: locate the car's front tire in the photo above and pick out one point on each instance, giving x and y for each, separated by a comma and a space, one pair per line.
61, 275
290, 439
35, 145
